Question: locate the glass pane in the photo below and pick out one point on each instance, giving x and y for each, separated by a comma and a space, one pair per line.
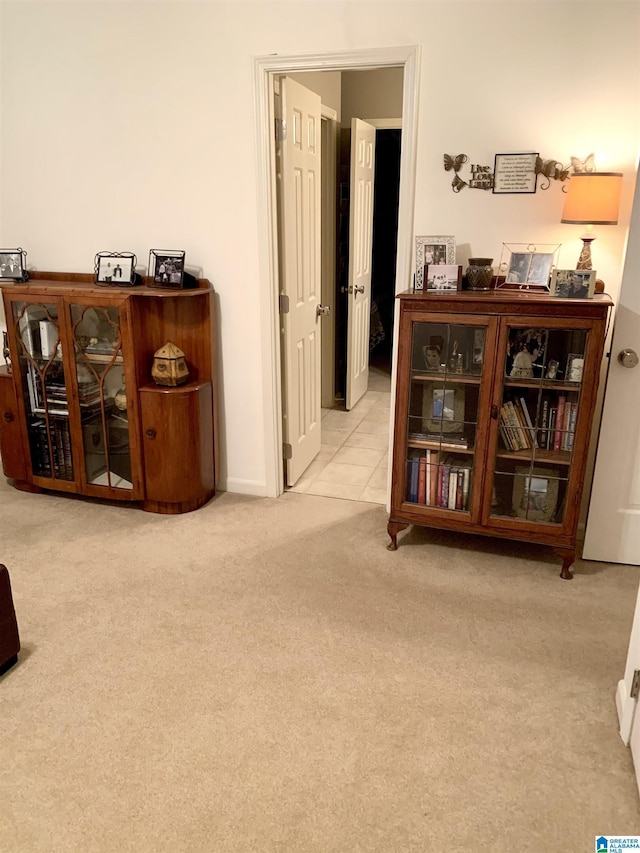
537, 422
102, 395
447, 363
44, 389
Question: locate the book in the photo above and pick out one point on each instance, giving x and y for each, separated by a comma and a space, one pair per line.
48, 338
572, 426
557, 436
465, 488
533, 441
422, 480
453, 488
413, 479
544, 423
434, 468
553, 412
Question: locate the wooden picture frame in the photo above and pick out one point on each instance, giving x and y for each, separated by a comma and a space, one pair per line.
535, 493
433, 250
442, 409
575, 367
442, 278
573, 284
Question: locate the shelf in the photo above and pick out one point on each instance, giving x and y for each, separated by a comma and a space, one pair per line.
536, 454
95, 358
449, 378
548, 384
436, 445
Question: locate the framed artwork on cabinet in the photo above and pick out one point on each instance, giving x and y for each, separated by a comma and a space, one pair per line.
12, 265
442, 409
442, 278
433, 250
535, 493
527, 266
166, 269
115, 269
573, 284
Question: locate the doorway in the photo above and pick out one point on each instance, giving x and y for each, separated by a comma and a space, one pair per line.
266, 69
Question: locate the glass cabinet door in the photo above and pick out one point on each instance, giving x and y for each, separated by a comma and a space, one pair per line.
447, 361
102, 395
44, 389
541, 392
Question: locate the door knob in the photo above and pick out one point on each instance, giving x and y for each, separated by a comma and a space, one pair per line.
323, 310
628, 357
359, 288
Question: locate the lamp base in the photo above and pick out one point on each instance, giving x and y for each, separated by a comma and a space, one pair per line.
584, 261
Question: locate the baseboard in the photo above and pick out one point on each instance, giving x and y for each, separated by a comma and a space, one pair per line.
245, 487
625, 707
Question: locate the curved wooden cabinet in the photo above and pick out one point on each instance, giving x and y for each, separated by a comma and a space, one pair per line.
79, 408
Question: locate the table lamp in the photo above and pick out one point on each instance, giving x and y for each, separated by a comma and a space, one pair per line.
593, 199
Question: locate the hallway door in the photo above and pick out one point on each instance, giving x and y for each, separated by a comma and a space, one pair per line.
613, 526
363, 147
299, 212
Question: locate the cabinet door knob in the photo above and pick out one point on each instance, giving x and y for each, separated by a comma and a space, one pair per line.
151, 433
8, 416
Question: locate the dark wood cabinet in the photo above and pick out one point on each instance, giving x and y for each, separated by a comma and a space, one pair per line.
494, 407
79, 405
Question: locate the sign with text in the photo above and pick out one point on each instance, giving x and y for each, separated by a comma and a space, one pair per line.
515, 173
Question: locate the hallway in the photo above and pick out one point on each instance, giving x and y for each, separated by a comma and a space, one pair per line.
353, 460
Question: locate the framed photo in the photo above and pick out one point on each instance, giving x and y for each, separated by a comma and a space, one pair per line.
479, 336
535, 493
525, 357
575, 367
115, 269
433, 250
12, 265
573, 284
515, 173
442, 409
442, 278
527, 266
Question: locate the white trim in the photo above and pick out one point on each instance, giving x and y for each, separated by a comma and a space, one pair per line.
626, 707
246, 487
328, 113
265, 67
385, 123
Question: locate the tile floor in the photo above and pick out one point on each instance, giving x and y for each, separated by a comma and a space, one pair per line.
352, 462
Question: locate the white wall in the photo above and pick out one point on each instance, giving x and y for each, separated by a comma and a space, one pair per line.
130, 125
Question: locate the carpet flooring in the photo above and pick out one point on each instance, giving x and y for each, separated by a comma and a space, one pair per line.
263, 675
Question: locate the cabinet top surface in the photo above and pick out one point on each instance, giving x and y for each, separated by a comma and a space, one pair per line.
52, 282
493, 300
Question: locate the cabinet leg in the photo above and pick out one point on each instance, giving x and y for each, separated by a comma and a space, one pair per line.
568, 558
393, 528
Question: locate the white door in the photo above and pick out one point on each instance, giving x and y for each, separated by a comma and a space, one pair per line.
299, 214
613, 526
363, 149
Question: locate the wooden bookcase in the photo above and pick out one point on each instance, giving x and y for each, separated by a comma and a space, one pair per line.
79, 410
480, 378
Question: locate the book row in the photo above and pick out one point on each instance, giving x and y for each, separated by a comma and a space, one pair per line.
51, 448
554, 431
438, 482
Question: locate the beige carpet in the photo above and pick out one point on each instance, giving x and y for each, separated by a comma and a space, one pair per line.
263, 675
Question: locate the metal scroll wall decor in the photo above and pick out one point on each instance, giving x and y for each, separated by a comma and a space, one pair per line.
482, 177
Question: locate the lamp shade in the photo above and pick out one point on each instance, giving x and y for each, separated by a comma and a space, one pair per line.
593, 199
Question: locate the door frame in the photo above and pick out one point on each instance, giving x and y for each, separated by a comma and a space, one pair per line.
265, 69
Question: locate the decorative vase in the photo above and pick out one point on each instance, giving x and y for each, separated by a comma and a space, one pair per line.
480, 273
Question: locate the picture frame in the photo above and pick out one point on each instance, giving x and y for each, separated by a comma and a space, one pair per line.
13, 265
442, 409
115, 269
535, 493
433, 250
166, 269
515, 173
575, 367
479, 338
442, 278
573, 284
527, 266
526, 349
